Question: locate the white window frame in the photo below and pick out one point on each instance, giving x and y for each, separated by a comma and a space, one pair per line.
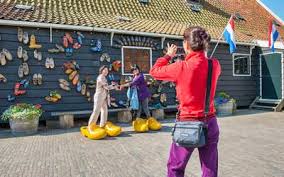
135, 47
242, 54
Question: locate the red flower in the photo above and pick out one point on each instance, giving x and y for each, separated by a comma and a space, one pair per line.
38, 106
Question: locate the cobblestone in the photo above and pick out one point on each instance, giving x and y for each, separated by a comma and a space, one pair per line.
251, 145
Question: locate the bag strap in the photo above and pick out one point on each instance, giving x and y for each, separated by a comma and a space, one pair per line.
208, 88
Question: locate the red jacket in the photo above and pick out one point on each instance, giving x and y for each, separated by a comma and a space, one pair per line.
190, 77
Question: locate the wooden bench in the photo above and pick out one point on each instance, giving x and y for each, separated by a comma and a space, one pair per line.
160, 112
66, 118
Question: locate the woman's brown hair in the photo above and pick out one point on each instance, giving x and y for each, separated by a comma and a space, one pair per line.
197, 38
134, 67
102, 68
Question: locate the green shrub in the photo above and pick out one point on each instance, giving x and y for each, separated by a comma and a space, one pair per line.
223, 97
22, 111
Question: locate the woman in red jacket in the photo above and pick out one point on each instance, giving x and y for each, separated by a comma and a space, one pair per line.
190, 77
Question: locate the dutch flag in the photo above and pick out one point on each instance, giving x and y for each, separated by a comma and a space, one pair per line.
273, 35
229, 35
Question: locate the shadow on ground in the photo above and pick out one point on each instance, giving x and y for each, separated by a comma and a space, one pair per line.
6, 133
127, 132
243, 112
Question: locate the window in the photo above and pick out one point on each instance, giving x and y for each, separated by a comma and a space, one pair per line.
195, 5
144, 1
123, 19
193, 1
24, 7
142, 56
241, 65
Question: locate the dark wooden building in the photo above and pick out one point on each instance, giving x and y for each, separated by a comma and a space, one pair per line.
136, 32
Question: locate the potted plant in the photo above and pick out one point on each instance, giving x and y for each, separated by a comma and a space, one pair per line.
225, 104
23, 118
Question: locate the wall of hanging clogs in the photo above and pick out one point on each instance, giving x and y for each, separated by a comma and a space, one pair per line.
59, 71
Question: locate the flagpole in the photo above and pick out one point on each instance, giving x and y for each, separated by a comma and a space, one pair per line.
217, 44
219, 39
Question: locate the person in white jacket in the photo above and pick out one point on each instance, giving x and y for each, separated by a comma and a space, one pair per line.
102, 98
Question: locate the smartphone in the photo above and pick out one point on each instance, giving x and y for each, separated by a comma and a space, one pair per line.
180, 50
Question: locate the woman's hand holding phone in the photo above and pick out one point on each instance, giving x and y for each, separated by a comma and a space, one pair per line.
171, 50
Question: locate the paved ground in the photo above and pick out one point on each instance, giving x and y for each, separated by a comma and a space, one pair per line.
251, 145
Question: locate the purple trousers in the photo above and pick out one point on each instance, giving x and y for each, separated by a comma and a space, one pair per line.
208, 154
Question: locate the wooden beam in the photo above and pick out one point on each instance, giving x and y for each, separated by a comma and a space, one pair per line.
254, 101
50, 34
111, 38
162, 42
280, 106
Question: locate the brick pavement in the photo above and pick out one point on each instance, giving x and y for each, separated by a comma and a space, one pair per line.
251, 145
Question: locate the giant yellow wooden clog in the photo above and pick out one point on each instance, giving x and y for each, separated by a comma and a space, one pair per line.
153, 124
112, 130
96, 132
140, 125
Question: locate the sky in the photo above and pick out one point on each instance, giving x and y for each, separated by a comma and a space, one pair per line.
277, 6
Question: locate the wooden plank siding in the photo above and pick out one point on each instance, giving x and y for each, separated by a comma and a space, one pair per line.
241, 88
35, 94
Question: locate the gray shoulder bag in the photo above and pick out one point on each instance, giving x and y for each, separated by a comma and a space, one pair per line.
194, 133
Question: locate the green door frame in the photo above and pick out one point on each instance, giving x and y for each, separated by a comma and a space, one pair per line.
282, 73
